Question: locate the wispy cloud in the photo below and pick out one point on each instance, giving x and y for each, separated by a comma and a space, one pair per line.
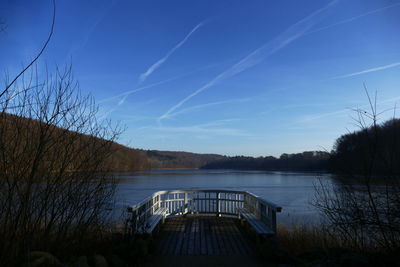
393, 65
309, 118
156, 65
353, 18
212, 128
200, 107
390, 100
288, 36
106, 114
104, 8
123, 96
314, 117
126, 94
219, 122
136, 118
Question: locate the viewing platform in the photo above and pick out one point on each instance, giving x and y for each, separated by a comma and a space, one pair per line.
204, 222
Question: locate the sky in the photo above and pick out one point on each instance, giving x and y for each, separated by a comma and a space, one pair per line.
233, 77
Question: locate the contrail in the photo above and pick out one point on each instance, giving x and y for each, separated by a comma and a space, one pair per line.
123, 96
393, 65
186, 110
353, 18
156, 65
128, 93
289, 35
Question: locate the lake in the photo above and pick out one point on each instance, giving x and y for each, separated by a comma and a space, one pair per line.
293, 191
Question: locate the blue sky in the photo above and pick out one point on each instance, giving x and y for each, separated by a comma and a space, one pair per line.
229, 77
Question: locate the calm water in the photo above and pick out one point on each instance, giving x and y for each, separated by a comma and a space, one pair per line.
291, 190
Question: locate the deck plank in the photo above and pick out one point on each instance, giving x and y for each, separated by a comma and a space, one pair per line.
191, 238
236, 239
171, 237
203, 242
208, 238
197, 237
220, 237
185, 245
202, 236
175, 236
215, 244
165, 237
228, 237
181, 235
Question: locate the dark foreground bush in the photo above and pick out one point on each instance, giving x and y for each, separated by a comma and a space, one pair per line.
304, 245
111, 248
55, 191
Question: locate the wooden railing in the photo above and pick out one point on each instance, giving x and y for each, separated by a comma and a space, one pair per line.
202, 202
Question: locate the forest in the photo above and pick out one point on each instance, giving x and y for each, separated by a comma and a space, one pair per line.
305, 161
352, 152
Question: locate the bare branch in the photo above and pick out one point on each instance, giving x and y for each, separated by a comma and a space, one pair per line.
37, 56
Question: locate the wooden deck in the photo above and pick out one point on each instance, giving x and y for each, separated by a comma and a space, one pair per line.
202, 236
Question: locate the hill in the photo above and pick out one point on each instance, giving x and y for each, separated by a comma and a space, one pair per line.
175, 160
125, 158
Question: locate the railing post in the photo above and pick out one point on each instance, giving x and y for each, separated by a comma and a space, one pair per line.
237, 203
218, 209
134, 221
273, 215
185, 210
246, 201
153, 208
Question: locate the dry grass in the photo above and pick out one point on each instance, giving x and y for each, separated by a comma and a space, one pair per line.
302, 238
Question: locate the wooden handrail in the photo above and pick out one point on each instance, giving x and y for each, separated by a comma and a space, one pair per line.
203, 202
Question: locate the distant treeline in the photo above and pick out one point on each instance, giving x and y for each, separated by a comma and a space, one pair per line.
305, 161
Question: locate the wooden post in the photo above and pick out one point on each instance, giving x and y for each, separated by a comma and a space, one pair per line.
273, 214
218, 209
153, 207
185, 203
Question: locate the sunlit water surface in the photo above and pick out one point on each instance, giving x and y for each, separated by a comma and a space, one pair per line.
293, 191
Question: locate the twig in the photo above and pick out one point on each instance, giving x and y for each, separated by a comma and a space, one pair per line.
37, 56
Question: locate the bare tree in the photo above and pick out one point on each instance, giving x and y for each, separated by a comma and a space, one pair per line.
363, 207
55, 189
